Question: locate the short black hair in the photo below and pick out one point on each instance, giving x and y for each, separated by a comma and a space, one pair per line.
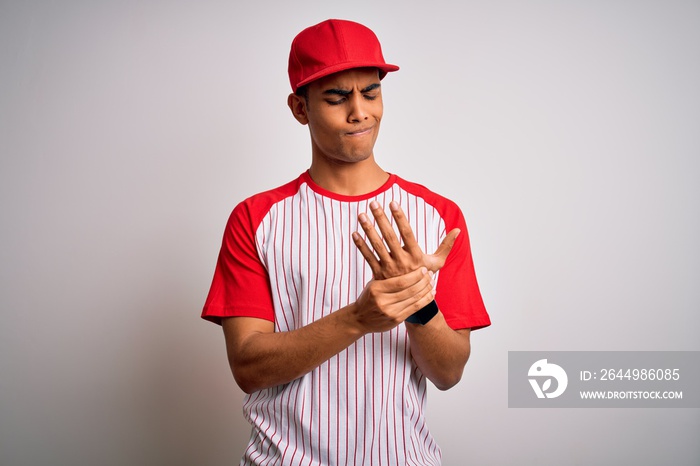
303, 91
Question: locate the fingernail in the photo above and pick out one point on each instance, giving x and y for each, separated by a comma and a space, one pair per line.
424, 270
393, 205
363, 217
374, 204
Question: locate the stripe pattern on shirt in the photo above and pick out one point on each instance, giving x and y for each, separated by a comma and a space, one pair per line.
365, 405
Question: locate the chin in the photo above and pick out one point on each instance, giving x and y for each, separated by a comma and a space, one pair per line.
344, 156
357, 155
358, 158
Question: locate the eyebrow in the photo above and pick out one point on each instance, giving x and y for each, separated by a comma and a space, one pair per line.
343, 92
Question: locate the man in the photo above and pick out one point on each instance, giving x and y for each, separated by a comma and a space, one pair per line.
333, 338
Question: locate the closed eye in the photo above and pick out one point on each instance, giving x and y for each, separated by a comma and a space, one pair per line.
341, 101
343, 93
372, 91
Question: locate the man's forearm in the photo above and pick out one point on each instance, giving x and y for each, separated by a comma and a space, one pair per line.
440, 352
264, 359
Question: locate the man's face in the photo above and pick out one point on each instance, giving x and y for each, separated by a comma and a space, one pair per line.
344, 111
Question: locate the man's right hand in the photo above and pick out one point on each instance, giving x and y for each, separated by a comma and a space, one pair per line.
384, 304
261, 358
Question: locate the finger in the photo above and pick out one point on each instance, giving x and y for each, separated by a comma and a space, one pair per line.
420, 302
390, 238
404, 286
367, 253
444, 249
409, 240
374, 238
393, 296
417, 301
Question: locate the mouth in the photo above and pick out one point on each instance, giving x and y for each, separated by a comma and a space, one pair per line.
360, 132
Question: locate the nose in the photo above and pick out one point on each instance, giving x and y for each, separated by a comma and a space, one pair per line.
357, 109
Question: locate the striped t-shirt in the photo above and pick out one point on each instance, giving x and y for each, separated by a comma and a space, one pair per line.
288, 257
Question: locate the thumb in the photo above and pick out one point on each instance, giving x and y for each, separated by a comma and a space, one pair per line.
446, 246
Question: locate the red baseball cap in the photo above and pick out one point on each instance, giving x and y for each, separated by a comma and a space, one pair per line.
331, 46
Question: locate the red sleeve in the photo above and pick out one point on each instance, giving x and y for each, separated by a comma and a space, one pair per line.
458, 295
241, 286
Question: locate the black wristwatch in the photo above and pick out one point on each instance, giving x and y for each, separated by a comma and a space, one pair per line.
424, 315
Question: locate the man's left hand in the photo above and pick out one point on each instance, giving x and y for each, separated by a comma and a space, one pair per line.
392, 259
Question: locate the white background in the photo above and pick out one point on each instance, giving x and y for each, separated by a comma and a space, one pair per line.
568, 132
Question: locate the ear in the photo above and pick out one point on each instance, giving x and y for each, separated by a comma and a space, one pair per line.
297, 105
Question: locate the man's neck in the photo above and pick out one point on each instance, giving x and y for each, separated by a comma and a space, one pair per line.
352, 179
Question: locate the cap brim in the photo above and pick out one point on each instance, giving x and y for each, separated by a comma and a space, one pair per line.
384, 68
